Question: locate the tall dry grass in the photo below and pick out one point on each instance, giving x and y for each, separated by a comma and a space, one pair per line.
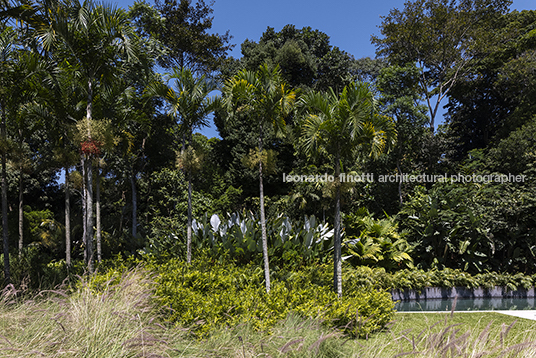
119, 321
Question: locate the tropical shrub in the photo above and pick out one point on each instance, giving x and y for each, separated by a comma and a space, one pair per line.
206, 295
419, 279
481, 224
445, 229
35, 269
375, 242
239, 237
357, 278
475, 227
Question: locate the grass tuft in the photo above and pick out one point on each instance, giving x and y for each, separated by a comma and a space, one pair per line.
117, 321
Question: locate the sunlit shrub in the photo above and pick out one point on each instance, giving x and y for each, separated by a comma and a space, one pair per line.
206, 296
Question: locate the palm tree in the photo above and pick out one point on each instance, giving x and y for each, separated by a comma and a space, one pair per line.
190, 105
265, 98
95, 40
7, 54
135, 128
56, 105
343, 127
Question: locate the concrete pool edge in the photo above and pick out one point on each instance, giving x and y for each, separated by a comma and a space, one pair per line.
526, 314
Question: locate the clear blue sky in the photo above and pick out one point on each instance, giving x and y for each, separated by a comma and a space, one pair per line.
349, 23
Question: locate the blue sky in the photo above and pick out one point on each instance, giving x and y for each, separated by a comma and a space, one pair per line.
348, 23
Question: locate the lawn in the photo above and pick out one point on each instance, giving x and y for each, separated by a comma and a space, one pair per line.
464, 334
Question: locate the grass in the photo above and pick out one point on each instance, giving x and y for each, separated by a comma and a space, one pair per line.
462, 334
121, 320
116, 322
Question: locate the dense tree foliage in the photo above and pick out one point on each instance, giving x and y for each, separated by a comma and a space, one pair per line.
99, 155
306, 58
497, 95
182, 30
440, 38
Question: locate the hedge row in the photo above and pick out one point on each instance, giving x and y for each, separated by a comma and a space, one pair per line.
205, 296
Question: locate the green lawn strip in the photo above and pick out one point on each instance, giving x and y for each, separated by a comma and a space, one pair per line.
474, 321
424, 330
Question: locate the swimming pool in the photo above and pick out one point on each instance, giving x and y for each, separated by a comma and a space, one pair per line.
466, 304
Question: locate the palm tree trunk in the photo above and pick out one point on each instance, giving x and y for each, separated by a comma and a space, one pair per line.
89, 215
98, 214
399, 156
67, 219
337, 261
84, 209
399, 182
21, 212
89, 186
263, 220
7, 275
89, 108
189, 228
21, 194
134, 205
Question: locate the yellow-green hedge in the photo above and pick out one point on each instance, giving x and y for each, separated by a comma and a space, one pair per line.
203, 296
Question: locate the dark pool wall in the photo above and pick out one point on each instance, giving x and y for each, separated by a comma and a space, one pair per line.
460, 292
463, 299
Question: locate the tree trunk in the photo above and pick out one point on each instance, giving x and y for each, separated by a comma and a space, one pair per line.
89, 215
134, 205
189, 228
399, 156
399, 182
21, 212
7, 275
67, 219
263, 219
98, 214
89, 186
89, 107
337, 261
84, 209
21, 193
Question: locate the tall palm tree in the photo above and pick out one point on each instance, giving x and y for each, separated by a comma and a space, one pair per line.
95, 40
7, 72
190, 104
134, 130
27, 68
17, 66
344, 127
266, 99
56, 105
